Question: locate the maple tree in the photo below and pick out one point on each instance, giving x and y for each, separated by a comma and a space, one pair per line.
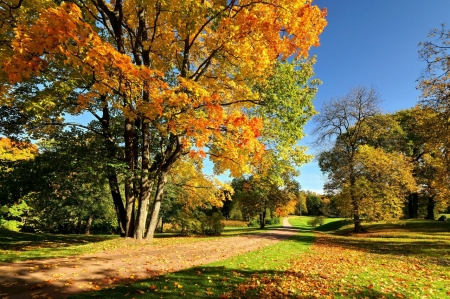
177, 77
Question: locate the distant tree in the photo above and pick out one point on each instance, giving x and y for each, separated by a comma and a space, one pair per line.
343, 118
314, 204
301, 208
435, 87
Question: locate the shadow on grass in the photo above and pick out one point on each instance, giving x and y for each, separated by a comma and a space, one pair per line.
219, 282
10, 240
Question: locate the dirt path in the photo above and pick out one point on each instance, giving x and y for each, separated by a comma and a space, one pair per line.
59, 278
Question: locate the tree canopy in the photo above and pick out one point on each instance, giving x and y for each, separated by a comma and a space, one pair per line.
162, 80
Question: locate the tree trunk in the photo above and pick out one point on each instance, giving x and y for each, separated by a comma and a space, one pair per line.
87, 231
356, 220
112, 175
129, 178
262, 219
162, 180
146, 185
413, 205
430, 208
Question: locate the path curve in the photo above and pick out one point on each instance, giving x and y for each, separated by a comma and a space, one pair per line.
62, 277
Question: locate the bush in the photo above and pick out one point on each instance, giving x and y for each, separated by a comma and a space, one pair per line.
253, 222
273, 220
187, 223
319, 220
212, 225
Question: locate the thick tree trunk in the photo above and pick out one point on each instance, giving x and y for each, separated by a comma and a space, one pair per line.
430, 209
146, 185
87, 231
162, 180
413, 205
129, 178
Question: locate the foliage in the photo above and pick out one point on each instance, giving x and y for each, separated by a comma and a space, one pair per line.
318, 220
273, 221
162, 80
212, 225
301, 207
343, 119
11, 216
56, 191
313, 204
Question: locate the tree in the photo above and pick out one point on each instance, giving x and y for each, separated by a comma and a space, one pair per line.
313, 203
178, 78
271, 187
343, 118
63, 185
434, 85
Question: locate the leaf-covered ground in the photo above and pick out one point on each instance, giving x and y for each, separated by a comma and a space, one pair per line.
411, 260
393, 261
60, 277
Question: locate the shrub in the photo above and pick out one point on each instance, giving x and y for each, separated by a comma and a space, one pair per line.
273, 220
188, 224
212, 225
319, 220
253, 222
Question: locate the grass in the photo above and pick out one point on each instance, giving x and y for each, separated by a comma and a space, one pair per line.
409, 259
404, 260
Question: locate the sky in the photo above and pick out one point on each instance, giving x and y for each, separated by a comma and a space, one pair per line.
371, 43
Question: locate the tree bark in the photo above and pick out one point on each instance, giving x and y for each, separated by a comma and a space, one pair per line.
430, 208
87, 231
146, 185
356, 220
112, 175
162, 180
262, 219
413, 205
129, 177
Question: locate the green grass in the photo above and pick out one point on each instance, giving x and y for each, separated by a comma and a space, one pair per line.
16, 246
330, 224
215, 279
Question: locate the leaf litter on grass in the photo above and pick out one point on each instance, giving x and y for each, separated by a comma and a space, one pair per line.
333, 270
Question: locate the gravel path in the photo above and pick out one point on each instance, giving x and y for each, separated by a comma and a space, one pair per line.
61, 277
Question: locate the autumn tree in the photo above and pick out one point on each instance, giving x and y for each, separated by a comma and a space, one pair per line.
342, 118
434, 85
177, 77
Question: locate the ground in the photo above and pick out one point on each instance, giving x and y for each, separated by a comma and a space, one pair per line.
62, 277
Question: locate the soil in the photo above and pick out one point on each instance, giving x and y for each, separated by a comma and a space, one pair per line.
62, 277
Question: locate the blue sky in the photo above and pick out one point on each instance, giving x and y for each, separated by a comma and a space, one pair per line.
371, 43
